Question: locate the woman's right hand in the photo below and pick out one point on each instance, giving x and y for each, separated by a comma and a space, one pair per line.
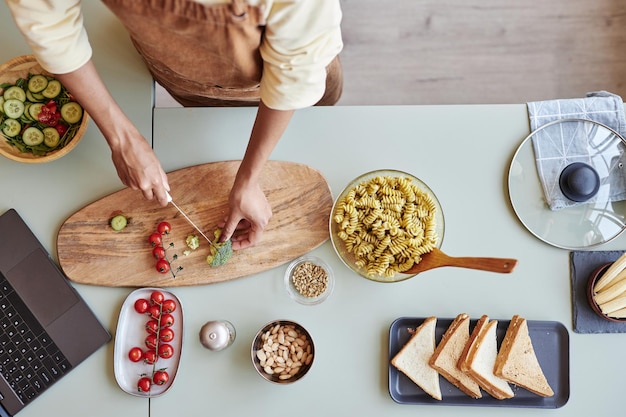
138, 167
135, 162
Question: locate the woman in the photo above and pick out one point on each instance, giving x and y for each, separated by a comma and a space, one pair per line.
281, 55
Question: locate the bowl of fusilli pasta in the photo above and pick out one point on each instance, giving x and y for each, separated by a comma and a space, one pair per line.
383, 222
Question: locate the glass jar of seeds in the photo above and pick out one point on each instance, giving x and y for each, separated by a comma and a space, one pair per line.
309, 280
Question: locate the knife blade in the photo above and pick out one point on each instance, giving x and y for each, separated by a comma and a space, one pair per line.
170, 200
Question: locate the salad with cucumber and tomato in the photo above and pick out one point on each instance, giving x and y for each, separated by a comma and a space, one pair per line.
38, 114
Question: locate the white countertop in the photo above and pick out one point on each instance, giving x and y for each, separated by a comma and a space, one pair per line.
461, 152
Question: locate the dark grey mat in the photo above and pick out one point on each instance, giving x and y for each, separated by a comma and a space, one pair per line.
585, 319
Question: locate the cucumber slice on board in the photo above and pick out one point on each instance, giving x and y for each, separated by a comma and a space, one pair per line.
119, 222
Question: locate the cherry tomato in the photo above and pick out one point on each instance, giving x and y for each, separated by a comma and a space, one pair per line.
166, 351
163, 266
166, 320
160, 377
154, 311
156, 298
152, 326
61, 128
168, 306
144, 383
158, 252
166, 334
164, 228
150, 356
141, 306
155, 239
151, 341
135, 354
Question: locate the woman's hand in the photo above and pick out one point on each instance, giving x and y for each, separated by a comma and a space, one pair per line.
135, 162
138, 167
250, 212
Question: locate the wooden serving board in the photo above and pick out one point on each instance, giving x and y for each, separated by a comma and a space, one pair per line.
91, 252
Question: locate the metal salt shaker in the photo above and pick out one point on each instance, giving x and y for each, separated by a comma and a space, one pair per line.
217, 334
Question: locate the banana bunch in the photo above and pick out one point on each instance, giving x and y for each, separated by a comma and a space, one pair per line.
610, 290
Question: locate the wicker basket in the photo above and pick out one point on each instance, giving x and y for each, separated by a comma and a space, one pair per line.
10, 72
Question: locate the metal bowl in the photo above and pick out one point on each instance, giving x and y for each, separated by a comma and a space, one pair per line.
339, 245
302, 295
10, 72
293, 366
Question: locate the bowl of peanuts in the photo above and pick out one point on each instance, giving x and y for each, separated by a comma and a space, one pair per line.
282, 352
383, 222
309, 280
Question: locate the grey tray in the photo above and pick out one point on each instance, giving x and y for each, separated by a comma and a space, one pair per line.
550, 341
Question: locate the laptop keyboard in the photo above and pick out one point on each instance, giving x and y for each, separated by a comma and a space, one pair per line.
29, 360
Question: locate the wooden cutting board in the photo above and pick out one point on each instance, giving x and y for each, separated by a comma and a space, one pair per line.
91, 252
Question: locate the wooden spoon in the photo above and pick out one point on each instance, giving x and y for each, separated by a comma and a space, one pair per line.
436, 258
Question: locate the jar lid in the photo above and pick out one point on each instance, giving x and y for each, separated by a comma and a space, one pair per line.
591, 221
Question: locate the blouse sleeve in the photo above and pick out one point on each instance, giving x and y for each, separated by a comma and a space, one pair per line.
54, 30
301, 38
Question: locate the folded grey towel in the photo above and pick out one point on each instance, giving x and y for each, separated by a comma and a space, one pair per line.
559, 147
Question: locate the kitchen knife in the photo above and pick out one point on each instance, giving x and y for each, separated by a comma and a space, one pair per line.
170, 200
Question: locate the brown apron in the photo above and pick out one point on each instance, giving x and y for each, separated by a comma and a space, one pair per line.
205, 55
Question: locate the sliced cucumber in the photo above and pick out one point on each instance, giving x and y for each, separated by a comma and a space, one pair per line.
1, 104
37, 83
11, 127
119, 222
71, 112
38, 97
15, 92
53, 89
13, 108
30, 96
51, 137
34, 110
32, 136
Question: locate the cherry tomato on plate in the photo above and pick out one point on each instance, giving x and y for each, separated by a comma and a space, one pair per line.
164, 228
166, 351
166, 320
156, 298
155, 239
154, 311
168, 305
166, 334
158, 252
150, 356
152, 326
160, 377
163, 266
144, 383
141, 306
135, 354
151, 341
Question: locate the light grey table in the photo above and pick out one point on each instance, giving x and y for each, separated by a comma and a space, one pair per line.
461, 152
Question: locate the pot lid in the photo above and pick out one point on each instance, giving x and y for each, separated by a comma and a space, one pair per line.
593, 219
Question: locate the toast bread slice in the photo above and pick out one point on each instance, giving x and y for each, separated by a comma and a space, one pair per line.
479, 358
517, 362
447, 354
412, 359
